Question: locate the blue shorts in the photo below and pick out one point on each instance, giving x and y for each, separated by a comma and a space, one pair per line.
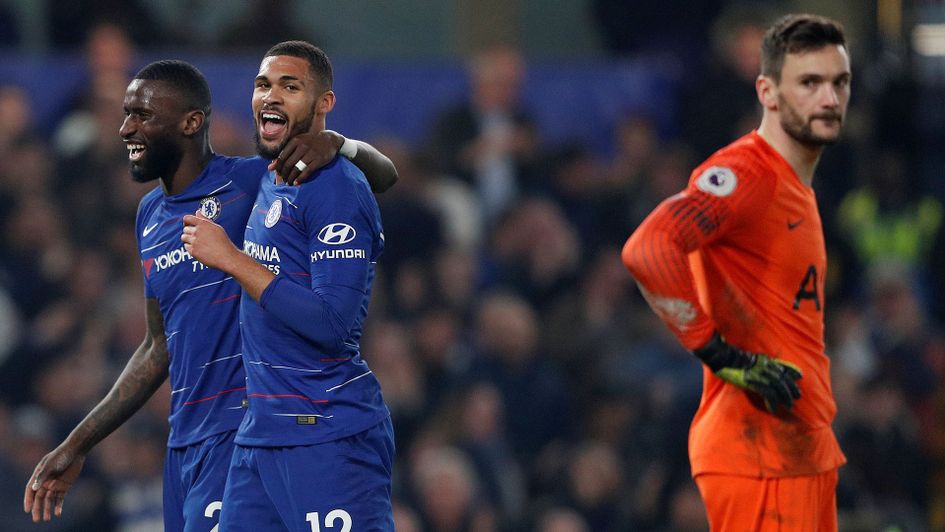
338, 485
194, 478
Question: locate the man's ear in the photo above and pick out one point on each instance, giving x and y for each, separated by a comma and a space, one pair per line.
325, 103
767, 90
194, 121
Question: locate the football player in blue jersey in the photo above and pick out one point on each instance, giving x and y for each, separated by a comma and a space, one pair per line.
315, 448
192, 311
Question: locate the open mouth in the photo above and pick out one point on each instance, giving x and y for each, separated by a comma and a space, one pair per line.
135, 151
271, 125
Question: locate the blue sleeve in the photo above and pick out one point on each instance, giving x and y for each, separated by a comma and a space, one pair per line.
322, 315
148, 292
144, 207
343, 241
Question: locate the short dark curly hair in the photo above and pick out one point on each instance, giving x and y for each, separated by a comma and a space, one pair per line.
795, 34
317, 59
185, 78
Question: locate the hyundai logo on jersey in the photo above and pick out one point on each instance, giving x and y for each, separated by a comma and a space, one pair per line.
336, 234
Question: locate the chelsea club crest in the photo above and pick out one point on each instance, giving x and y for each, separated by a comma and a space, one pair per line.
275, 212
211, 207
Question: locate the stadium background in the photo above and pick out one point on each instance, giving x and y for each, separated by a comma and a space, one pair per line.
530, 386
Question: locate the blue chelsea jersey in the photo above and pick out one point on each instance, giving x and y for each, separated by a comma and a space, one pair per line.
200, 305
306, 381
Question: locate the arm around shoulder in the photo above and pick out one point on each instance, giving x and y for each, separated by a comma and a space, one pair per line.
377, 167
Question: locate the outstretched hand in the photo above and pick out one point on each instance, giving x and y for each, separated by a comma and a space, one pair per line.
312, 150
206, 241
51, 479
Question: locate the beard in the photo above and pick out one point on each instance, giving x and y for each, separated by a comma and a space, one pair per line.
302, 126
801, 129
161, 160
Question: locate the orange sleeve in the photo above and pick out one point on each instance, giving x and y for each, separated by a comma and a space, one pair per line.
741, 251
657, 253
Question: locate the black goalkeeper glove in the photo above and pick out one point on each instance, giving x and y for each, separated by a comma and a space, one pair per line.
772, 379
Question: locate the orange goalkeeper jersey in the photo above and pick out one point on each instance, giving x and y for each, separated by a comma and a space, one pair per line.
741, 250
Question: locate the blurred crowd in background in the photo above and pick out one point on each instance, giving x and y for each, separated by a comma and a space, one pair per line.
530, 386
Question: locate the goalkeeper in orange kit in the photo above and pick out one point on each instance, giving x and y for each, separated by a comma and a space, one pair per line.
735, 266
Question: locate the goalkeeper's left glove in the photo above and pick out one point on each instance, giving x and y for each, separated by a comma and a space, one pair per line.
772, 379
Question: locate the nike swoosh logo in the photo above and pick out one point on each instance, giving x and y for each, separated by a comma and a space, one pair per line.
147, 230
792, 225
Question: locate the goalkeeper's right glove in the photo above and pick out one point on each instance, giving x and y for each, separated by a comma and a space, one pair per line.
772, 379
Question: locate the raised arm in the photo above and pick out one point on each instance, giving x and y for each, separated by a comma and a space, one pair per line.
321, 315
315, 150
324, 310
145, 371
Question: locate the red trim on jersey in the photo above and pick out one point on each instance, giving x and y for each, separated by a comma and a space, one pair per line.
278, 395
234, 199
214, 396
